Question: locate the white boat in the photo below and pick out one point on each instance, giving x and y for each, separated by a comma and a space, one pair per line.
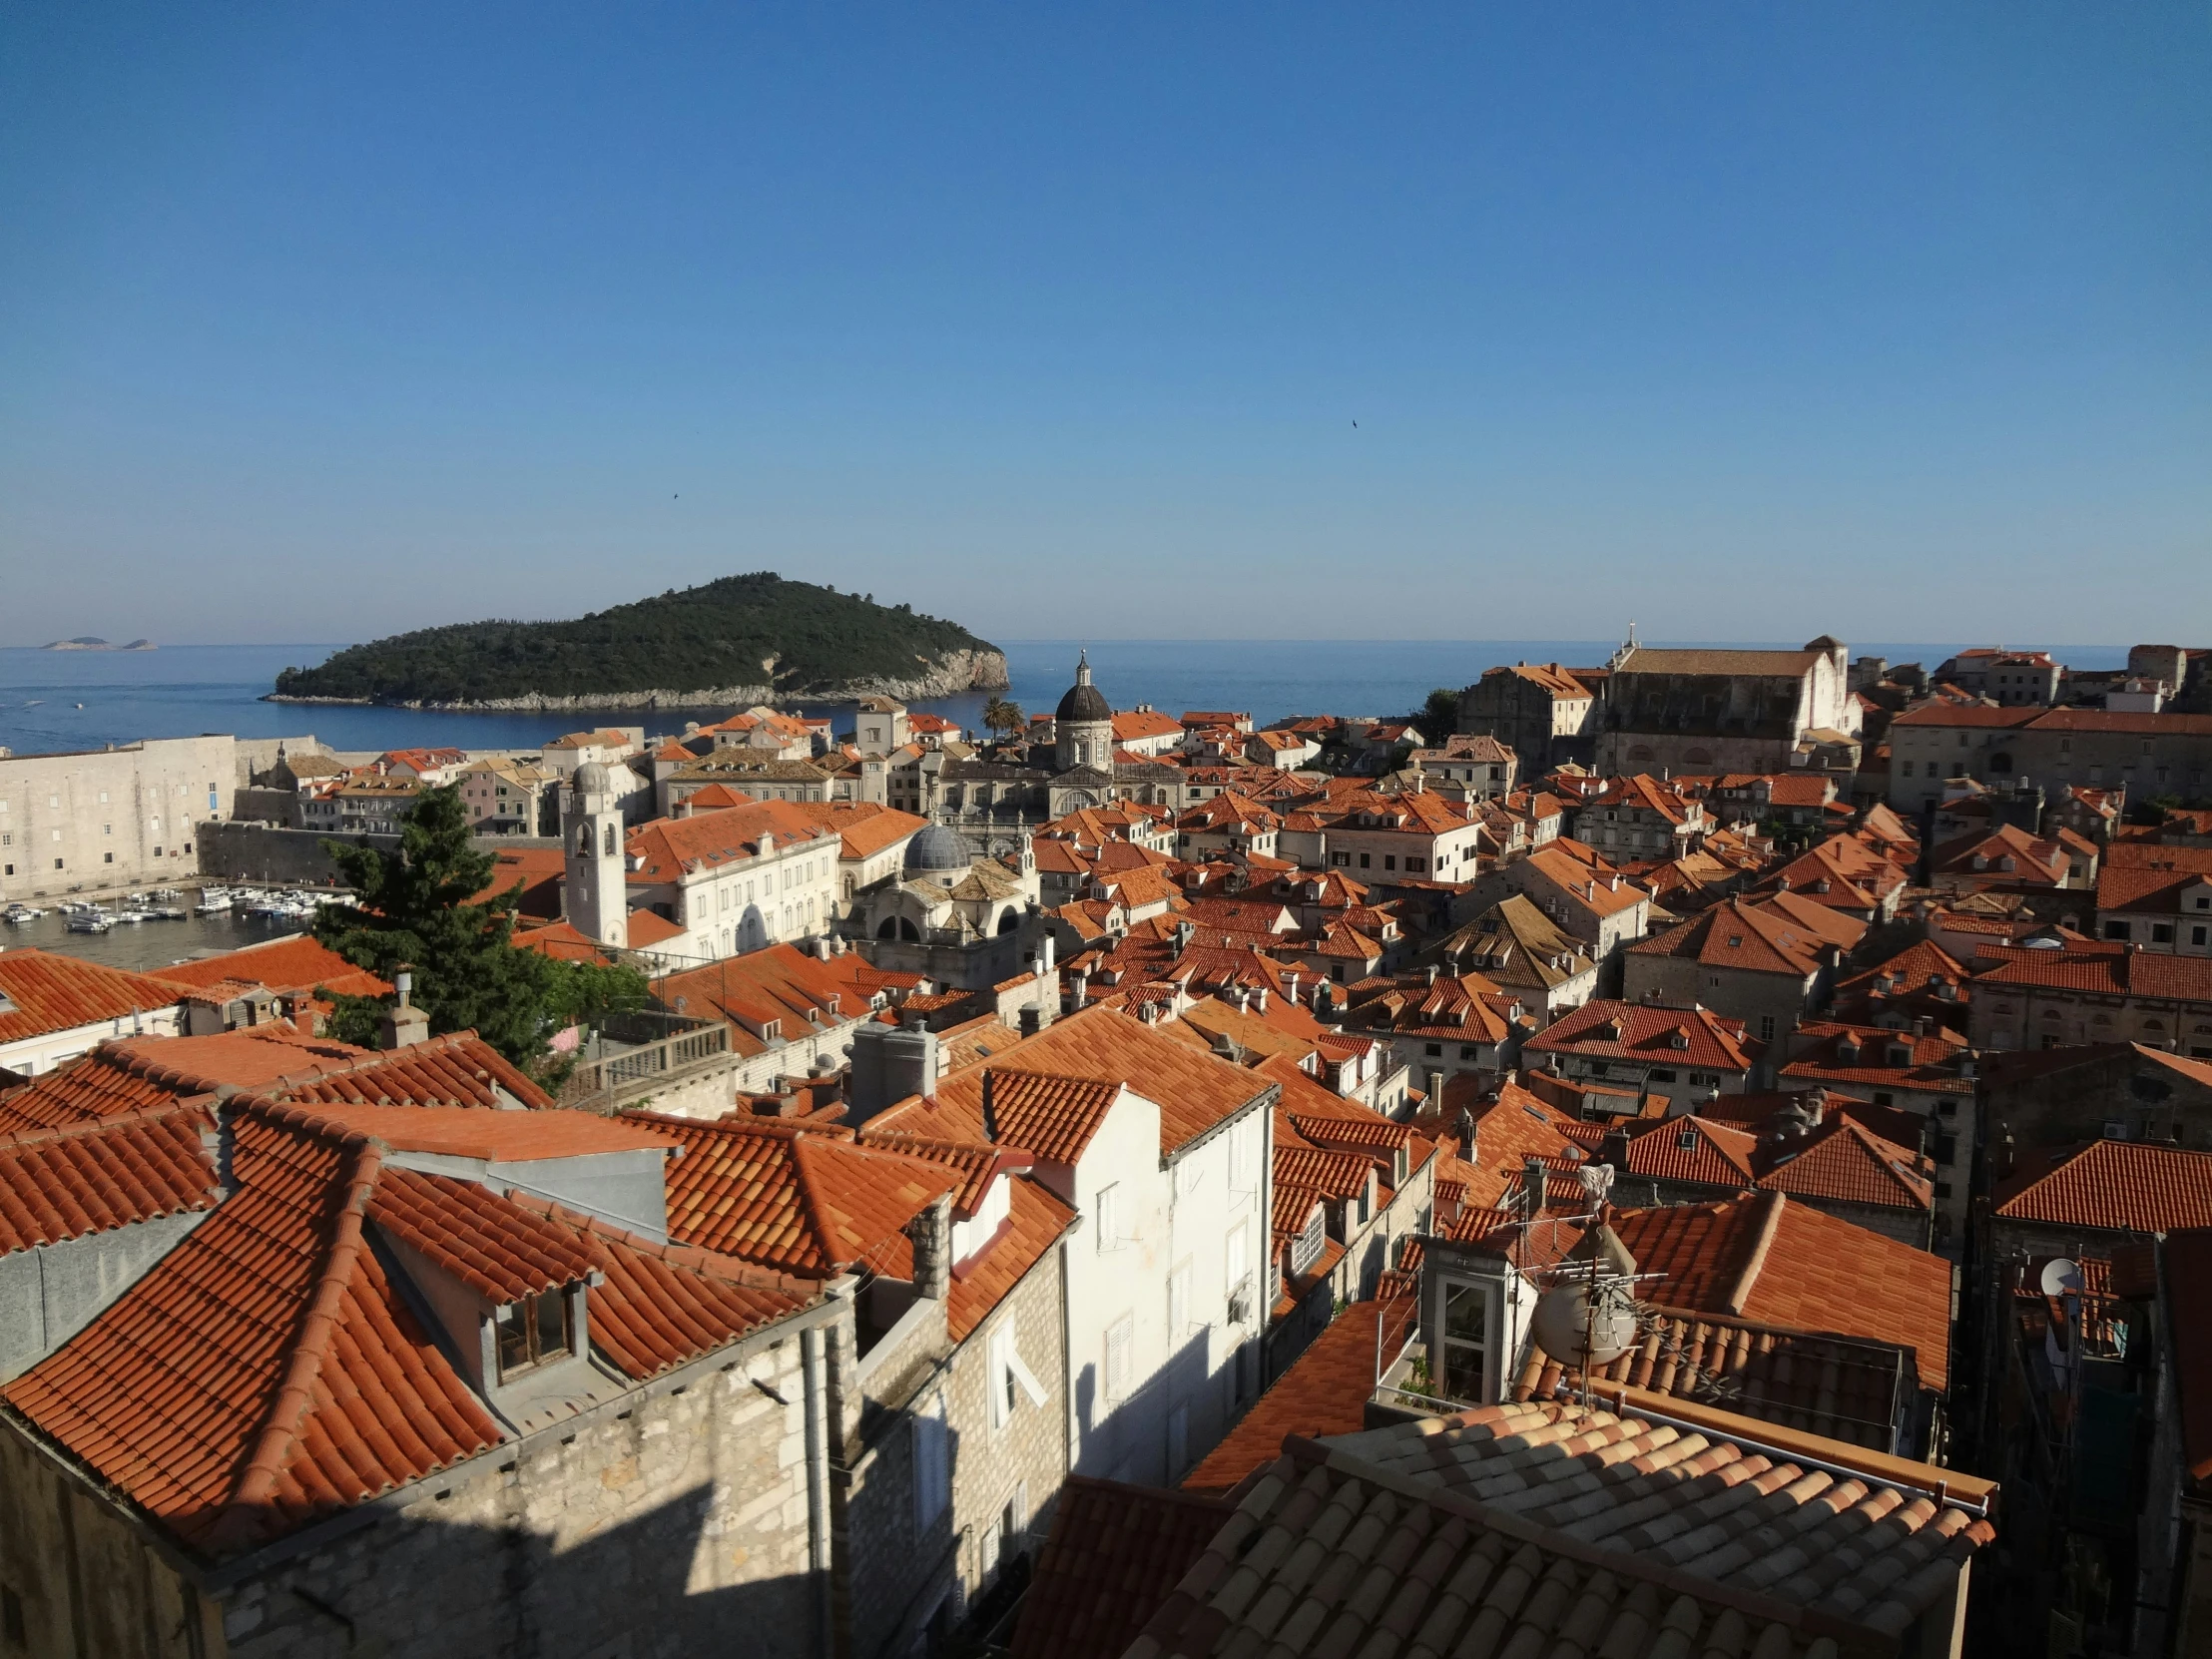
89, 921
212, 903
169, 912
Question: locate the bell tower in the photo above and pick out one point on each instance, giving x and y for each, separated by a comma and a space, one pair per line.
594, 889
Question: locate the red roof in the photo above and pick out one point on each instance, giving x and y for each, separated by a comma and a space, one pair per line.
266, 1371
1646, 1031
2113, 1187
1326, 1391
664, 849
128, 1075
1765, 1259
58, 1183
42, 994
807, 1201
281, 965
1084, 1055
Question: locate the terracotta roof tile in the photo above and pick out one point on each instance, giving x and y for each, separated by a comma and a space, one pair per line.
267, 1371
2113, 1186
1645, 1031
1326, 1391
809, 1201
58, 1183
41, 993
281, 965
1555, 1529
1786, 1263
1089, 1051
1839, 1387
215, 1393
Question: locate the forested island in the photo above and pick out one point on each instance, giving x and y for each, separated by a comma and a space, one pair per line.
736, 640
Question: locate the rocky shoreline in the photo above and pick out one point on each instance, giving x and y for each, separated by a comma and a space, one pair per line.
956, 672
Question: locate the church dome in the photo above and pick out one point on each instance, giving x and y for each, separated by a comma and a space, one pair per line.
591, 779
937, 849
1083, 703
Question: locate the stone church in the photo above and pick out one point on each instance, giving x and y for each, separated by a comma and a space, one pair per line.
994, 800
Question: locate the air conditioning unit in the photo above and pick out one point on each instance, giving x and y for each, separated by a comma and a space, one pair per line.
1240, 1302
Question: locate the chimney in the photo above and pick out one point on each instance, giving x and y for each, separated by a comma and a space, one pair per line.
1431, 973
1033, 1020
1532, 1185
890, 1063
405, 1023
991, 1108
930, 1233
1290, 985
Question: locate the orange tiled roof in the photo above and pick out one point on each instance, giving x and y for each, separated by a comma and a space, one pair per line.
1695, 1150
281, 965
1838, 1386
1643, 1031
58, 1183
41, 993
809, 1201
1096, 1048
128, 1075
267, 1371
2113, 1186
664, 849
1326, 1391
1845, 1160
1765, 1259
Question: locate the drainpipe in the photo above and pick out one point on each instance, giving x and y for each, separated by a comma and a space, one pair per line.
818, 1486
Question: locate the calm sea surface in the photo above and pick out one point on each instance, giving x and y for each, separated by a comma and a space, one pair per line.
62, 700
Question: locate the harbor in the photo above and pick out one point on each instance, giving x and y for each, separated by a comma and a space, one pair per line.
148, 931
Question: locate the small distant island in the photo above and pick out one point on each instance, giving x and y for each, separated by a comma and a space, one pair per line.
738, 639
87, 642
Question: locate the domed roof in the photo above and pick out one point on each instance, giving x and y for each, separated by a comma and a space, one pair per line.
591, 779
937, 849
1083, 702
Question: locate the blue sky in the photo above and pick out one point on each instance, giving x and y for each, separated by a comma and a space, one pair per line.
1888, 321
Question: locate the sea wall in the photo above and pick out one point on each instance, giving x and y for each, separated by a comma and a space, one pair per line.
286, 857
951, 674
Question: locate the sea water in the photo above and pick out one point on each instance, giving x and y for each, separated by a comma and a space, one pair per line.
57, 701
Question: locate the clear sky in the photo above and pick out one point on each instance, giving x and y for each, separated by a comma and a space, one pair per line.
1749, 321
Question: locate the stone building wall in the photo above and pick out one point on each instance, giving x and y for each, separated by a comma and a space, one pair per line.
651, 1526
92, 821
905, 1573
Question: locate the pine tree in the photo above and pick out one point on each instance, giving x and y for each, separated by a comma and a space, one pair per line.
419, 907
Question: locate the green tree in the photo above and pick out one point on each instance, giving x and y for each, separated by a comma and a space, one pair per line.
1004, 715
1436, 717
425, 905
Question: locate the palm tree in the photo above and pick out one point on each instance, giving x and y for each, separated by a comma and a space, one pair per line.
1004, 717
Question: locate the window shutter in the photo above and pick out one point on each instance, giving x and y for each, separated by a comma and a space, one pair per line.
1119, 1338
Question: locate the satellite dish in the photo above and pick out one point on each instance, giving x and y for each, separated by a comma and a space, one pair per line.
2061, 1275
1589, 1318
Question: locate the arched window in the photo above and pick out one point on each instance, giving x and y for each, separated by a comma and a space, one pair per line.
583, 841
889, 929
1697, 757
1009, 922
1639, 753
908, 932
609, 849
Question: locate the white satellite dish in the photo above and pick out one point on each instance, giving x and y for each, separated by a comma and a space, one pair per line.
2061, 1275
